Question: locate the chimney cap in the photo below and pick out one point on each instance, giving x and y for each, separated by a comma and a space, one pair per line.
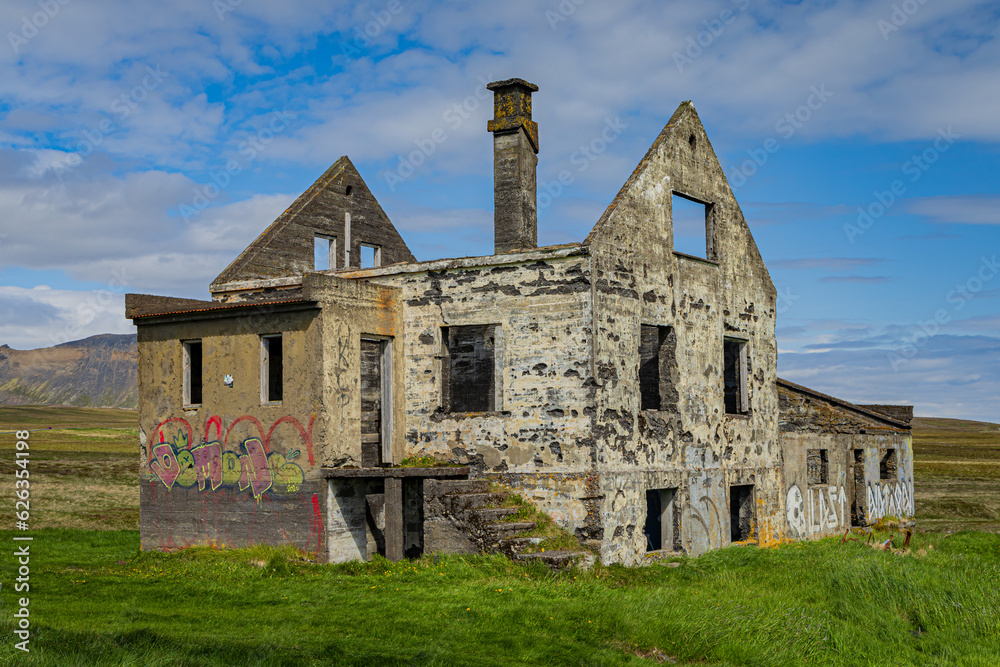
496, 85
512, 109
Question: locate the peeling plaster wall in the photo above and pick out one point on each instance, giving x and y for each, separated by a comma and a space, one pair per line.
539, 436
353, 310
316, 424
810, 422
230, 471
638, 279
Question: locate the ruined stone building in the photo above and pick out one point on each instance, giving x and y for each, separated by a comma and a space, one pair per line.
627, 389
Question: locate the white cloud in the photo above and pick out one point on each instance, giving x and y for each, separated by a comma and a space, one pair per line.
119, 230
962, 209
43, 317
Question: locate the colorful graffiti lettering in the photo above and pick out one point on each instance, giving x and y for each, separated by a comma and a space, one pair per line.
890, 500
819, 509
212, 465
210, 468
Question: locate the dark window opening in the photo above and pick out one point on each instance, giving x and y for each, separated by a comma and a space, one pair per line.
324, 253
741, 513
193, 372
662, 528
887, 466
469, 368
857, 498
692, 226
349, 190
735, 372
817, 466
272, 371
657, 366
371, 256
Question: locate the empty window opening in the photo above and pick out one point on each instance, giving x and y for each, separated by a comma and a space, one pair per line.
349, 190
817, 466
271, 372
376, 402
858, 496
657, 367
741, 515
371, 256
692, 226
887, 466
324, 253
663, 528
469, 368
192, 372
736, 370
692, 142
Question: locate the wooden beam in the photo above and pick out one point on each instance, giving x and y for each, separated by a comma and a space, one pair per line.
394, 518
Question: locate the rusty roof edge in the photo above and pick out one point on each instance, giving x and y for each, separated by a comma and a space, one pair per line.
846, 404
228, 306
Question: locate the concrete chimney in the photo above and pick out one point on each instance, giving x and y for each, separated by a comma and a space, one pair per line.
515, 148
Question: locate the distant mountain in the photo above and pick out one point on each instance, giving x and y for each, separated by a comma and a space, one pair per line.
99, 371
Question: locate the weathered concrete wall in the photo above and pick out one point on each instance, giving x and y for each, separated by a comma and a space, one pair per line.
353, 310
855, 493
692, 445
231, 471
539, 435
237, 470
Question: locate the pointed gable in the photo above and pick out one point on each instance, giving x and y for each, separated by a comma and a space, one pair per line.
338, 206
681, 160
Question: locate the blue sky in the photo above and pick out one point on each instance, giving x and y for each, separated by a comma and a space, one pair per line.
143, 145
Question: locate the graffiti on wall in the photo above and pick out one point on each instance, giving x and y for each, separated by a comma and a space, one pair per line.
213, 464
819, 509
890, 500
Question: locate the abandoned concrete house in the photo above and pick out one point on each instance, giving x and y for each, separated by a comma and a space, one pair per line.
624, 387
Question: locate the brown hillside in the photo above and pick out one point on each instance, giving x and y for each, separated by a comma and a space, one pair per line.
99, 371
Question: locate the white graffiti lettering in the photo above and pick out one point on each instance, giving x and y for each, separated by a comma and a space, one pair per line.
820, 509
890, 500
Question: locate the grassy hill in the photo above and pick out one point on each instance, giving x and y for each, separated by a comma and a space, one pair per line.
957, 474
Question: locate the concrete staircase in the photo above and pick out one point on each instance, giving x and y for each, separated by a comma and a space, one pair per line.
463, 516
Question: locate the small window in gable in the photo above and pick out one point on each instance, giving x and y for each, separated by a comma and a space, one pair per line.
324, 253
371, 256
693, 228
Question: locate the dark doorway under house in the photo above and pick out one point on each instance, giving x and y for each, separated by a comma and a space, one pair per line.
662, 528
741, 514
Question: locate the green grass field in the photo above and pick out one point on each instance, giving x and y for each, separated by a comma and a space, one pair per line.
96, 600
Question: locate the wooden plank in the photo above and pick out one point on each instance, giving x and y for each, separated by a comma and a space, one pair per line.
370, 438
394, 518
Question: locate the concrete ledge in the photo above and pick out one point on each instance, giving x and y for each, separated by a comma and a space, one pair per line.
382, 473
